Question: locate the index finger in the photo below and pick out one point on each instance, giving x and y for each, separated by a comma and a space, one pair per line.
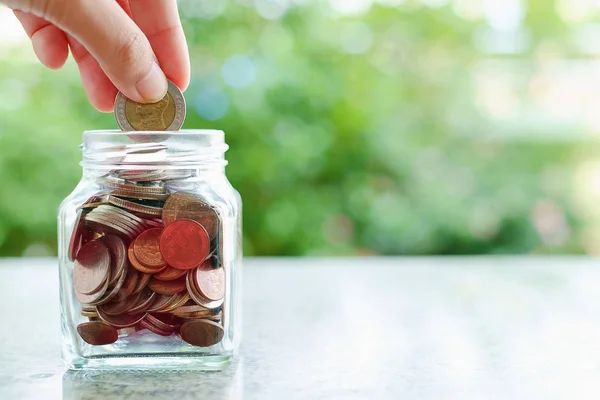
160, 22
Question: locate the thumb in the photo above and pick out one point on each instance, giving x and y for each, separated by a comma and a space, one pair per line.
111, 36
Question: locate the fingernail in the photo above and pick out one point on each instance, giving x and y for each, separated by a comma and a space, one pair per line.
154, 86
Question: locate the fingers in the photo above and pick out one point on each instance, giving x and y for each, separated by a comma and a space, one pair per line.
99, 89
49, 43
121, 48
159, 20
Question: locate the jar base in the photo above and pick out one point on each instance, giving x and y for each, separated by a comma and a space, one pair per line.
151, 362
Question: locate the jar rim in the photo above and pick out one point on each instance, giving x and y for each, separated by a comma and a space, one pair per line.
183, 132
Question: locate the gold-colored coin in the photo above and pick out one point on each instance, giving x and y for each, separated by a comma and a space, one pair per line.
167, 114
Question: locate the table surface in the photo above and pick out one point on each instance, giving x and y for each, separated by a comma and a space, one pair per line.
368, 328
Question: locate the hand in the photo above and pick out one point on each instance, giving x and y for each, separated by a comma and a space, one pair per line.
126, 45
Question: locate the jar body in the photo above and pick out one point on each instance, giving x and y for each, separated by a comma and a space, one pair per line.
150, 263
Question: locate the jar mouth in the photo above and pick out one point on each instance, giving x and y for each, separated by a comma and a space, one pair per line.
141, 149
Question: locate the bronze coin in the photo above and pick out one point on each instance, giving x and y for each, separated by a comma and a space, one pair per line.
170, 274
118, 256
142, 282
184, 244
91, 268
121, 320
97, 333
167, 114
147, 248
183, 205
211, 282
201, 332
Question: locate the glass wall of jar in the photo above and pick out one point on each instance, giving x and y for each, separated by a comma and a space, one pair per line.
150, 254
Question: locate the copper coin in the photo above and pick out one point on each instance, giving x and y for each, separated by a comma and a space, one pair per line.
119, 305
184, 244
202, 332
195, 311
170, 320
114, 292
118, 256
76, 240
142, 282
167, 287
179, 300
139, 266
194, 292
211, 282
158, 323
131, 281
147, 248
144, 301
91, 267
182, 205
92, 298
97, 333
161, 301
121, 320
154, 329
170, 274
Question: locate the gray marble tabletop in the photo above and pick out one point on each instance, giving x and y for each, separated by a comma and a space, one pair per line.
361, 328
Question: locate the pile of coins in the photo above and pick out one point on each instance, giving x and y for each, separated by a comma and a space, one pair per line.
145, 257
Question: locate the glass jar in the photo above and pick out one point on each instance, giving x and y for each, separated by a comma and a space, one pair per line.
150, 254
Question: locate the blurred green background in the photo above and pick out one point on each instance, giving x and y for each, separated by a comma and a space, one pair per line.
355, 126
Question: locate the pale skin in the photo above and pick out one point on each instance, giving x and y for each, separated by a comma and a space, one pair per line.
131, 46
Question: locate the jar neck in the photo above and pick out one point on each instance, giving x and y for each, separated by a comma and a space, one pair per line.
201, 151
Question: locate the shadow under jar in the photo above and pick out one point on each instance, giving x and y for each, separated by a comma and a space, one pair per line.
150, 254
